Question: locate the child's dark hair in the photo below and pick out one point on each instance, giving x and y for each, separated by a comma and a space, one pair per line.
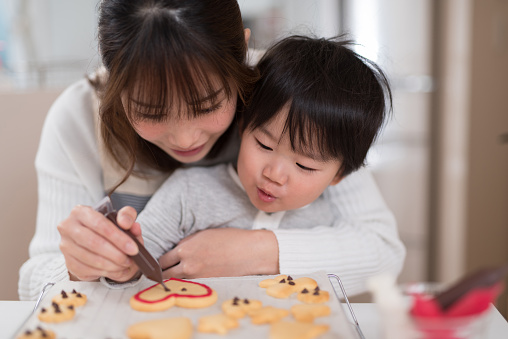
337, 99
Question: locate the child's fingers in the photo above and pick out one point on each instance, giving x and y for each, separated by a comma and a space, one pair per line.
174, 272
170, 259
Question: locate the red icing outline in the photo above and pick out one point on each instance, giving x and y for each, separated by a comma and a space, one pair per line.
176, 295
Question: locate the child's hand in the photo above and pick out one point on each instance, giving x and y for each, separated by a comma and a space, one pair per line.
223, 252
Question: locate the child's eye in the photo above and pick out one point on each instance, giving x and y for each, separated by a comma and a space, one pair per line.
263, 146
305, 168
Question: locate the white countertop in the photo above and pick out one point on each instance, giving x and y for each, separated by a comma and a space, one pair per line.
13, 313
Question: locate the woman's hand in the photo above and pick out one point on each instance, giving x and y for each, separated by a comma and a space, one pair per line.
93, 246
223, 252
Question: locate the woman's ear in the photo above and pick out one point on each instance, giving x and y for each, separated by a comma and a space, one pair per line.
246, 32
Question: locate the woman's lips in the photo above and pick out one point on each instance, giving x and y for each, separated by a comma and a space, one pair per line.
264, 196
190, 152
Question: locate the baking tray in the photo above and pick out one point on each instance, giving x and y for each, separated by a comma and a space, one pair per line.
108, 314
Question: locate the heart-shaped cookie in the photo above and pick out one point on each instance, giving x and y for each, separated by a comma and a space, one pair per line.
183, 293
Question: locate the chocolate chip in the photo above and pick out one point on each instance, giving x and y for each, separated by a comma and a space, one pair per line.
305, 290
246, 301
64, 295
282, 281
315, 293
235, 301
291, 283
28, 332
43, 310
56, 307
70, 307
79, 295
317, 288
184, 289
290, 278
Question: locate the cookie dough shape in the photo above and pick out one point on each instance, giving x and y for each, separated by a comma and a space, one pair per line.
217, 323
283, 286
296, 330
56, 313
267, 315
167, 328
315, 296
238, 308
73, 298
308, 312
183, 293
38, 333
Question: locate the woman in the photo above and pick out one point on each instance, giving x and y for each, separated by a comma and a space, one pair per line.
176, 73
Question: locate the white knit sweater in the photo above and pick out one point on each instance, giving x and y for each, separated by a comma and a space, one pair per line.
70, 172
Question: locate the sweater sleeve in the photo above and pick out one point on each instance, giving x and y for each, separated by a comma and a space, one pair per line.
165, 217
362, 242
68, 173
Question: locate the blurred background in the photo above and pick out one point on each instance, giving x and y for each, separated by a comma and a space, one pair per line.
441, 162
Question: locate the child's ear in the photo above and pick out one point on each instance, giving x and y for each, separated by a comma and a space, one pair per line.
336, 179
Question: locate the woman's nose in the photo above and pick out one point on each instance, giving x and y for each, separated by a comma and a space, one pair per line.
183, 136
276, 172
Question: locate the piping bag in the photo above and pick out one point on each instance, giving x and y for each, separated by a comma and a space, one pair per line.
145, 261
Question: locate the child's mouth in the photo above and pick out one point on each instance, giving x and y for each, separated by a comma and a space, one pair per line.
264, 196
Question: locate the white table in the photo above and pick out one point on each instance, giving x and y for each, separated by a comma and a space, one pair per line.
13, 313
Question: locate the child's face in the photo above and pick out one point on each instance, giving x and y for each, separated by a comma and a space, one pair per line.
274, 176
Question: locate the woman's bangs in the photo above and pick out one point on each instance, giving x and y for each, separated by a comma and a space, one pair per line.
147, 94
183, 88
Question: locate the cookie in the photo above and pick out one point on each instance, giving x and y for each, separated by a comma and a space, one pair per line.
267, 315
167, 328
73, 298
38, 333
294, 329
183, 293
56, 313
315, 296
308, 312
217, 323
238, 308
283, 286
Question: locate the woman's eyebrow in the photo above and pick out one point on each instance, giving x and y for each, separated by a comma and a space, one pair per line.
142, 104
211, 96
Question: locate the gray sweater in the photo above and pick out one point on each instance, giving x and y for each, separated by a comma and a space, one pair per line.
199, 198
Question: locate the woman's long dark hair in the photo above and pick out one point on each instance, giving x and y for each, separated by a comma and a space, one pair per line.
166, 52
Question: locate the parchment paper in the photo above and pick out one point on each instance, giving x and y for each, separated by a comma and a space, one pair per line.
107, 313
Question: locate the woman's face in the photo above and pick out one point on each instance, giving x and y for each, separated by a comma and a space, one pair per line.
185, 138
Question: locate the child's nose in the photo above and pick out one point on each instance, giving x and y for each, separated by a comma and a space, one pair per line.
276, 172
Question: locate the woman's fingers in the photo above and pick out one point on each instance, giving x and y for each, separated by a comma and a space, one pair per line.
105, 228
93, 246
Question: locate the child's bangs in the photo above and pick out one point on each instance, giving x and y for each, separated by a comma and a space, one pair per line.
310, 132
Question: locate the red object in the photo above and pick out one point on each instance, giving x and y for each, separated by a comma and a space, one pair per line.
473, 302
434, 322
